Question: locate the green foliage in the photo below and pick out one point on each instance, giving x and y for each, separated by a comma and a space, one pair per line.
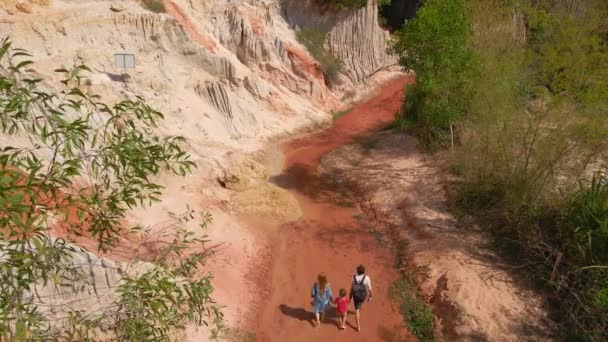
601, 296
589, 217
568, 55
435, 45
314, 40
587, 220
416, 312
331, 67
156, 6
536, 126
240, 335
62, 139
340, 114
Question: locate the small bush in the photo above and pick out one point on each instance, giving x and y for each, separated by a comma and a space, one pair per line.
156, 6
435, 45
416, 312
331, 67
589, 218
340, 114
314, 40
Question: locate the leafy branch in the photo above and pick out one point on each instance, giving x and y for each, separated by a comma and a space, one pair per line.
74, 167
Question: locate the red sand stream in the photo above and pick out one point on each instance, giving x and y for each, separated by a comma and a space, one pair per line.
329, 238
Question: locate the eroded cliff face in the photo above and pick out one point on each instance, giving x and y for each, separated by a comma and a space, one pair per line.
354, 36
229, 75
224, 72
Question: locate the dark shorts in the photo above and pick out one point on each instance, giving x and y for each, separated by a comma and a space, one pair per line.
358, 303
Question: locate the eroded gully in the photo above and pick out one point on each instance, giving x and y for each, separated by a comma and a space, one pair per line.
329, 237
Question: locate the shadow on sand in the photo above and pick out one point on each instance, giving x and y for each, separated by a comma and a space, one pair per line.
297, 313
331, 316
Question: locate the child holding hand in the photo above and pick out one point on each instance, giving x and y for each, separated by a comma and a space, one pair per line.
342, 307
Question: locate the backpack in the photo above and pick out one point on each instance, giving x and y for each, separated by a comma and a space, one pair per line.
359, 289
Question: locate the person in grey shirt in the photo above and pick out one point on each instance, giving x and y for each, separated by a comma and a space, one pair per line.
360, 290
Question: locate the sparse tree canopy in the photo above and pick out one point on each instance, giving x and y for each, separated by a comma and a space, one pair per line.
526, 85
435, 45
80, 163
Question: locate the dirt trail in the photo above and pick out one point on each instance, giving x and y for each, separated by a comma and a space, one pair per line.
328, 238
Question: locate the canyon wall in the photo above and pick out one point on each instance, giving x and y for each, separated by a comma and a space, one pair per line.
354, 36
229, 75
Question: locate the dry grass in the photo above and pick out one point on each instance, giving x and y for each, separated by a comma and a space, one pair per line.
156, 6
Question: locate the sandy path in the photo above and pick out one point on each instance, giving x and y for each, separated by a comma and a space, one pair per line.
328, 238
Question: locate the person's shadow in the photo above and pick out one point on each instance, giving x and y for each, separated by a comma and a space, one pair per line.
305, 315
297, 313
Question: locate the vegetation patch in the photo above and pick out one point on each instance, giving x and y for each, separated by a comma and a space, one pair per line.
436, 45
314, 40
417, 314
523, 87
378, 236
111, 145
224, 333
340, 114
156, 6
405, 293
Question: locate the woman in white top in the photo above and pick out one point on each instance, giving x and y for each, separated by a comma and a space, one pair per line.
361, 289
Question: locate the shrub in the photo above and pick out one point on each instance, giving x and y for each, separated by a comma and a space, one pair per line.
340, 113
588, 215
156, 6
524, 85
331, 67
73, 136
416, 312
435, 45
535, 127
314, 41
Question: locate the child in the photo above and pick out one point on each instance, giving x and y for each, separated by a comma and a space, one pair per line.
342, 307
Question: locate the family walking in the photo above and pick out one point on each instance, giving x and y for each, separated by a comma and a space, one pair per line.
322, 297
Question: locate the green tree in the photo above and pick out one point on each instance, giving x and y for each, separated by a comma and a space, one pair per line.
435, 45
535, 127
64, 139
